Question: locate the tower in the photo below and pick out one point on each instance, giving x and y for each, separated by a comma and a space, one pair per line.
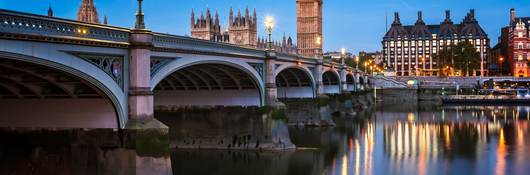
309, 27
243, 29
206, 27
87, 12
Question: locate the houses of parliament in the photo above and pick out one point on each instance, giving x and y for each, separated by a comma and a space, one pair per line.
242, 28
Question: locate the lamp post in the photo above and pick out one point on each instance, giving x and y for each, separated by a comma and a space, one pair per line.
501, 60
342, 55
423, 63
269, 25
357, 63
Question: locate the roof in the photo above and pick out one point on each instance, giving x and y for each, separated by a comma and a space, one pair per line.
446, 29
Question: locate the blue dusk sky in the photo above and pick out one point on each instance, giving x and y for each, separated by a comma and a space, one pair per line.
353, 24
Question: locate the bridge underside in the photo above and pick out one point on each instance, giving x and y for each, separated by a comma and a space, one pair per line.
294, 83
208, 85
33, 95
331, 83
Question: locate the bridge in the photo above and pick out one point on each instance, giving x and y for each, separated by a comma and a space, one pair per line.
60, 73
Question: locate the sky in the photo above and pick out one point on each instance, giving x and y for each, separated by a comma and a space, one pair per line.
357, 25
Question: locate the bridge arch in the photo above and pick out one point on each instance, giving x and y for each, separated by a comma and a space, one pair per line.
331, 81
294, 82
350, 82
209, 81
62, 91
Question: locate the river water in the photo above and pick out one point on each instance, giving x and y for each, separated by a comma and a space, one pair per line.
389, 140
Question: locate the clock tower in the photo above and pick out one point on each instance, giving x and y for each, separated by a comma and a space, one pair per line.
309, 27
242, 30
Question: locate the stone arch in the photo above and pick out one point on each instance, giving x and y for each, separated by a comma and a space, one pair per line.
294, 82
207, 82
331, 82
72, 92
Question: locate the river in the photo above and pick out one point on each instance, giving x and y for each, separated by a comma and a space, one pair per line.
389, 140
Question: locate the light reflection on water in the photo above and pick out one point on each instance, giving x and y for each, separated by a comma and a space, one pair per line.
449, 140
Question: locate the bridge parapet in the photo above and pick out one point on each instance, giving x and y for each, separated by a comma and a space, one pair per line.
167, 42
18, 25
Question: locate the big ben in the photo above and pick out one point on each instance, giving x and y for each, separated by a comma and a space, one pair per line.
309, 27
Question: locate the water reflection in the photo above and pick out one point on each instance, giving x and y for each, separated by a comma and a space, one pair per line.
432, 140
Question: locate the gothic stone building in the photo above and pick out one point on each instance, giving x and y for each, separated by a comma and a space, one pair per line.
309, 27
87, 12
242, 30
408, 50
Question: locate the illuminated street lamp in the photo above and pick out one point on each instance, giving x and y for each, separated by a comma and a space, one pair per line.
501, 60
269, 25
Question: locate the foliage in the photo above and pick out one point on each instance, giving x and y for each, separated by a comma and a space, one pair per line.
466, 57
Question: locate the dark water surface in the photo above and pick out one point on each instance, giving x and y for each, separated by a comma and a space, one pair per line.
390, 140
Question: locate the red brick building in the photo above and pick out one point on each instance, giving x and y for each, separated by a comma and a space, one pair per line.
518, 45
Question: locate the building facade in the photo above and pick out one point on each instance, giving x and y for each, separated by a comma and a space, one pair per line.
309, 27
242, 31
87, 12
408, 49
518, 45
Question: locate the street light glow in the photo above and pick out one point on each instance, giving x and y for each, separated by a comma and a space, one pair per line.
343, 51
269, 23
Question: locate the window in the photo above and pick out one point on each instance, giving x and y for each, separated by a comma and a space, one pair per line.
413, 43
520, 34
520, 45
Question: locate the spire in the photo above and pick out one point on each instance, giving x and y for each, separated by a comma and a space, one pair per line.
420, 19
87, 12
192, 18
396, 19
208, 17
512, 16
231, 18
284, 41
50, 11
247, 13
139, 24
105, 20
216, 19
255, 19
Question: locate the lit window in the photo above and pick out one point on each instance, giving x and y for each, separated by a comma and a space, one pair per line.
520, 34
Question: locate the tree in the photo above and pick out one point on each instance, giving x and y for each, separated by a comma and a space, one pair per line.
466, 57
444, 58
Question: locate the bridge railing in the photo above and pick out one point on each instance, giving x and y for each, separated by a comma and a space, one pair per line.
18, 23
182, 43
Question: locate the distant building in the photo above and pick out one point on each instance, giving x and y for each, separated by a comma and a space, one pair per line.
376, 56
517, 46
242, 31
409, 50
87, 12
309, 27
